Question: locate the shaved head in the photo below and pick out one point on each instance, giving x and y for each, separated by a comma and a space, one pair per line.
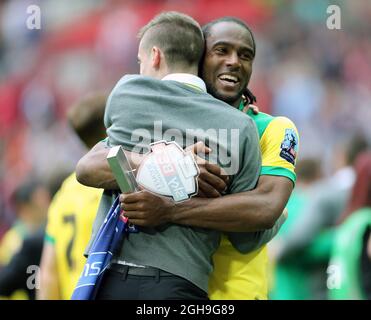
178, 35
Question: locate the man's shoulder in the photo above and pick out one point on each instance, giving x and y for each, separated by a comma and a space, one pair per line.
72, 194
267, 123
261, 116
71, 186
279, 126
131, 82
136, 79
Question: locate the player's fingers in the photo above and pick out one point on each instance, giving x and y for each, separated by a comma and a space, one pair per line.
129, 206
207, 190
218, 171
200, 193
132, 214
140, 188
200, 161
254, 108
130, 197
213, 180
138, 222
198, 147
285, 213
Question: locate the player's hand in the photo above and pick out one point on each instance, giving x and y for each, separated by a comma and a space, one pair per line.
254, 108
146, 209
212, 180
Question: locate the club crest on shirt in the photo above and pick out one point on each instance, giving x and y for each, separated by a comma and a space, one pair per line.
289, 146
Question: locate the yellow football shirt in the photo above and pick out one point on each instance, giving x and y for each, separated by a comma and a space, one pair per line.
10, 244
70, 221
245, 276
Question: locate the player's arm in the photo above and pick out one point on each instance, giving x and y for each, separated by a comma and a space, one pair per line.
254, 210
93, 170
49, 288
248, 211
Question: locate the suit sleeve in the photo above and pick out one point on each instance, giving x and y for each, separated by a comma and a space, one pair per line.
250, 161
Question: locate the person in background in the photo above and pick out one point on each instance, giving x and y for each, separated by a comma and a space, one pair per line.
20, 275
312, 235
349, 271
31, 201
72, 210
286, 275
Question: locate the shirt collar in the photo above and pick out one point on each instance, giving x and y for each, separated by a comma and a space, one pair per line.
187, 78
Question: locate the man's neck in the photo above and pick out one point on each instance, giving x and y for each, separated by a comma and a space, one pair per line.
187, 78
189, 70
237, 103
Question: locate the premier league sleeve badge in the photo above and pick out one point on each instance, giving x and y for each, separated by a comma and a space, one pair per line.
289, 146
169, 171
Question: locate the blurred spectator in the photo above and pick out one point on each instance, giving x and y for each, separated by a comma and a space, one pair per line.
72, 211
31, 202
86, 119
45, 136
285, 275
310, 238
350, 264
20, 275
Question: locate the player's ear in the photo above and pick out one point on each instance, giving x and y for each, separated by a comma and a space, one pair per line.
156, 57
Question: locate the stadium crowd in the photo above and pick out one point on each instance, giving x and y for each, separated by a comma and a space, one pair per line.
317, 77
